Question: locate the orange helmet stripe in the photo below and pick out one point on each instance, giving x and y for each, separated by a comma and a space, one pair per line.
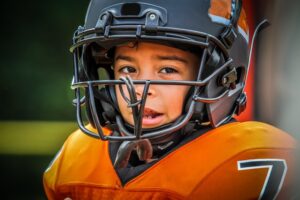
220, 15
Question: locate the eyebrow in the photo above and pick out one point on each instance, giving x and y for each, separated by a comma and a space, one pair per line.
159, 57
126, 58
172, 57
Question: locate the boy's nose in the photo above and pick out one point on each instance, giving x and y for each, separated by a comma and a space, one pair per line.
145, 74
139, 89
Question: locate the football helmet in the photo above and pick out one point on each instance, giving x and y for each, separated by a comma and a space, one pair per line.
216, 28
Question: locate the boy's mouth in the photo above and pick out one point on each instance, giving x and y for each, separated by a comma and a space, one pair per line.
151, 117
149, 113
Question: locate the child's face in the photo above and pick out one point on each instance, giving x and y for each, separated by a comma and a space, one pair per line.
150, 61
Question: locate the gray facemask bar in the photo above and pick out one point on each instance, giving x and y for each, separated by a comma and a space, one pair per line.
127, 135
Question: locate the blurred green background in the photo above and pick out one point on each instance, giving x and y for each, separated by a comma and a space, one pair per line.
36, 66
36, 113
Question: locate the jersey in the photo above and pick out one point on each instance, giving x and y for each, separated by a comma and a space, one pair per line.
239, 160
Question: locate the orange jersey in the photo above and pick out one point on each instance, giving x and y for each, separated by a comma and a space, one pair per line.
247, 160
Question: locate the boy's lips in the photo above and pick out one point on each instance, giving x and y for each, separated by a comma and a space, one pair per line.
148, 112
151, 117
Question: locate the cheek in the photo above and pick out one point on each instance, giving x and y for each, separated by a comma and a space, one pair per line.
122, 104
119, 99
174, 100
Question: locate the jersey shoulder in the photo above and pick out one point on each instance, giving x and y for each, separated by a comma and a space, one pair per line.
214, 162
80, 158
255, 157
253, 134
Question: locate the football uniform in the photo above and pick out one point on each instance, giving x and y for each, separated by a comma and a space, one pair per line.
239, 160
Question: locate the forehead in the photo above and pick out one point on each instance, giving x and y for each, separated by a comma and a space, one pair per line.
140, 49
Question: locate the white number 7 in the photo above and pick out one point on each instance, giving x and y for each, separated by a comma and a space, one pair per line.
277, 169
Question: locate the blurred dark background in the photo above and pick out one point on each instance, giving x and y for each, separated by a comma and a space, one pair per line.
36, 113
36, 66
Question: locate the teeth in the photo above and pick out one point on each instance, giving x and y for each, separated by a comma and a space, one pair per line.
148, 116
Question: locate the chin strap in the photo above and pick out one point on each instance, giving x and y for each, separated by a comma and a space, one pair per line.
147, 149
143, 148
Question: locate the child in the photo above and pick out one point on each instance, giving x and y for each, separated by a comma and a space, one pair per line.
162, 81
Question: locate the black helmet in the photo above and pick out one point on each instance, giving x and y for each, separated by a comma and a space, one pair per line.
215, 29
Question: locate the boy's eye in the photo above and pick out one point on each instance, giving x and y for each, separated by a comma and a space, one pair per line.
127, 70
168, 70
